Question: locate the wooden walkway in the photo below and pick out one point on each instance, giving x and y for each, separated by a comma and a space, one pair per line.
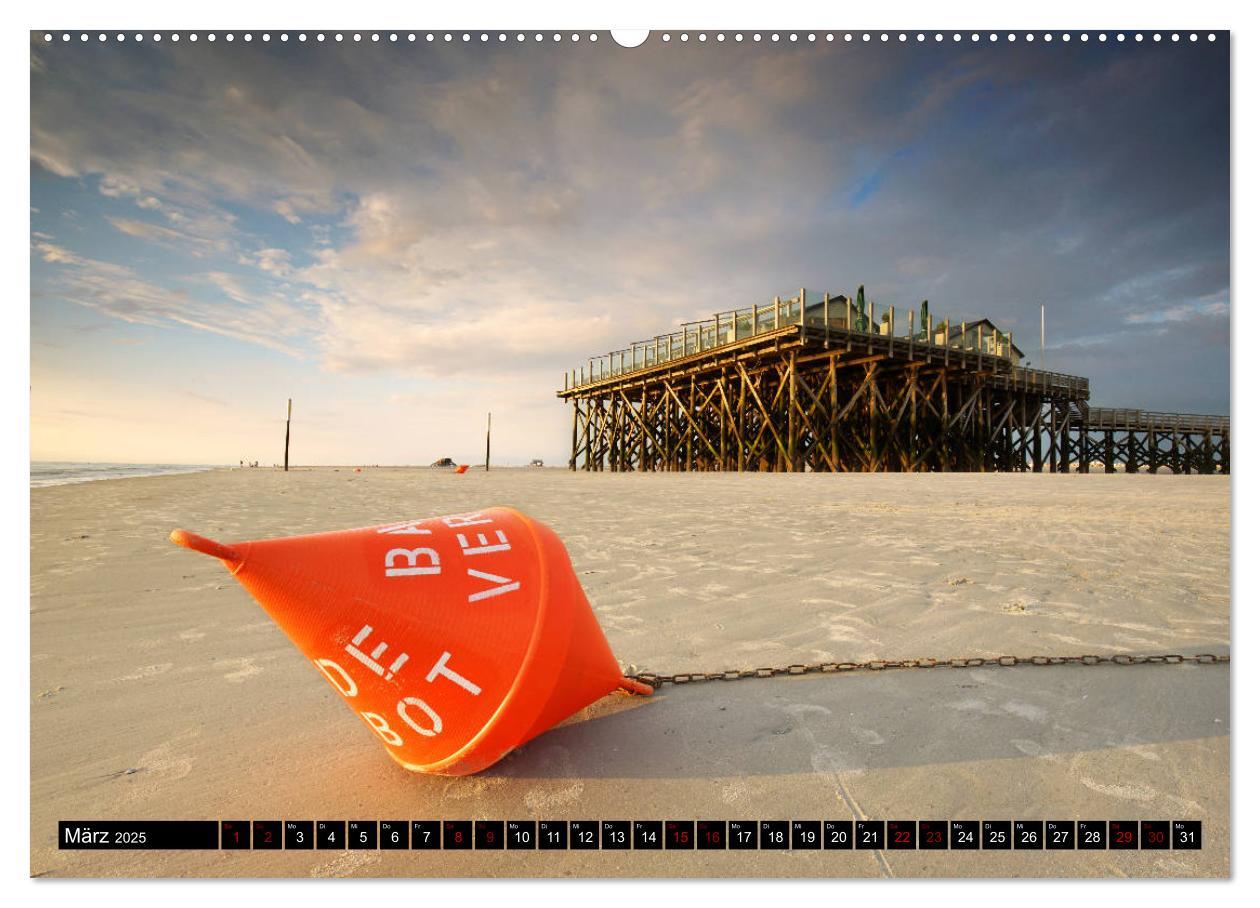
1131, 440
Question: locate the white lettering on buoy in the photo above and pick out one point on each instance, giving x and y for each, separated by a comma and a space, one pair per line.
327, 666
370, 661
406, 528
433, 717
506, 585
483, 545
439, 668
411, 556
465, 520
381, 727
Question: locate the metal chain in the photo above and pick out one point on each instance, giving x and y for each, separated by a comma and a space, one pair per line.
874, 665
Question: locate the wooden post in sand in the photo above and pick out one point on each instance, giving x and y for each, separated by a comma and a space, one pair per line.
288, 419
488, 442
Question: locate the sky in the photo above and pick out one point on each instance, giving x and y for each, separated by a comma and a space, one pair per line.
403, 237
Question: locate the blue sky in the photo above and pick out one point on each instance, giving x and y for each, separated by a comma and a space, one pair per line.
403, 237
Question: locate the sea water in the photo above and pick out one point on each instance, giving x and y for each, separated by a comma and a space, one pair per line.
55, 473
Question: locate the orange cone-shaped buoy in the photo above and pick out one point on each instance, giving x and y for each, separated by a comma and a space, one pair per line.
455, 639
462, 468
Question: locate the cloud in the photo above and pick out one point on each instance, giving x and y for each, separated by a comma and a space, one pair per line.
54, 254
168, 236
509, 213
1179, 313
119, 292
276, 262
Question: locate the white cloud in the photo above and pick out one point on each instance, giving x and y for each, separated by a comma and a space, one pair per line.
1178, 313
119, 292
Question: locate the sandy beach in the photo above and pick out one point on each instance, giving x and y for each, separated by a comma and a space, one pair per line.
159, 689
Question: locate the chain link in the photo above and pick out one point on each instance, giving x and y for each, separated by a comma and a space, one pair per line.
875, 665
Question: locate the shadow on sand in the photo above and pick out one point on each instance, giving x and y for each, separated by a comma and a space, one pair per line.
878, 721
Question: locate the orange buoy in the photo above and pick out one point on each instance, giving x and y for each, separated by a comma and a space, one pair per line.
454, 639
462, 468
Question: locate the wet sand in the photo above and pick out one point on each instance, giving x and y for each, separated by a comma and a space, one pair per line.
159, 689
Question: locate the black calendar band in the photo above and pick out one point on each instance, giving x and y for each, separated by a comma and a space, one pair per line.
632, 835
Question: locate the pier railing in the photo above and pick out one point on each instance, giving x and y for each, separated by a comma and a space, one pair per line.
1040, 380
806, 308
1106, 418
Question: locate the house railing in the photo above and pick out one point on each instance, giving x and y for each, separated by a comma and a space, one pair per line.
805, 309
